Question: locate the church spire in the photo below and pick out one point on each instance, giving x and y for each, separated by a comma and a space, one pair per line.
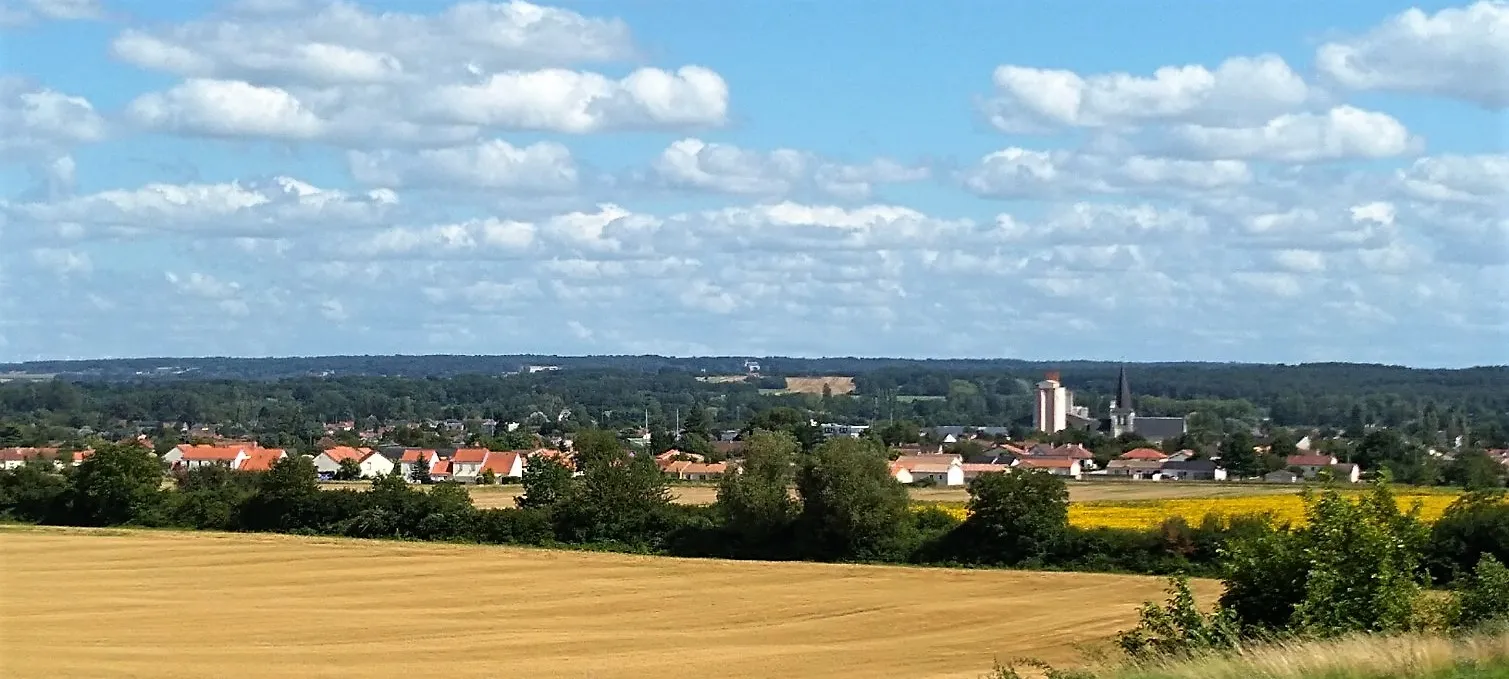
1123, 391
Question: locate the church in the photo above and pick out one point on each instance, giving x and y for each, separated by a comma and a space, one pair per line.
1056, 412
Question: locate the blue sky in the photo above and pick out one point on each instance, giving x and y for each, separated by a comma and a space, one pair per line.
1133, 181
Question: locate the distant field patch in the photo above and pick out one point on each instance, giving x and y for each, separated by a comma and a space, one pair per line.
171, 605
912, 398
814, 385
722, 379
1150, 513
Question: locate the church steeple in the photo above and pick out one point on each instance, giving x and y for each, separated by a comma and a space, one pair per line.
1123, 391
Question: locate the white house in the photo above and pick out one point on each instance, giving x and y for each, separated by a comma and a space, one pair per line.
466, 463
261, 459
1309, 465
375, 464
329, 461
412, 456
685, 470
504, 465
1346, 472
942, 470
11, 458
187, 456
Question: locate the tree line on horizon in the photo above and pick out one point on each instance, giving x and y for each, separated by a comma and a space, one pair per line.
1435, 407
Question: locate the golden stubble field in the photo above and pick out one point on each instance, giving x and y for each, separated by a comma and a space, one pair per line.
166, 605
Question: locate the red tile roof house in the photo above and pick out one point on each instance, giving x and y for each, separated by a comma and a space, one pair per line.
504, 465
684, 470
186, 456
261, 459
561, 457
1148, 454
1311, 465
941, 469
374, 464
1073, 451
11, 458
674, 454
973, 470
329, 461
411, 457
1057, 466
441, 470
466, 463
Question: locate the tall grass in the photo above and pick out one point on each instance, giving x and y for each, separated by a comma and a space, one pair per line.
1360, 657
1480, 656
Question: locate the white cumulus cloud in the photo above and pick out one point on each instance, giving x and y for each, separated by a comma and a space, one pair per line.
1344, 132
1458, 52
492, 164
1240, 89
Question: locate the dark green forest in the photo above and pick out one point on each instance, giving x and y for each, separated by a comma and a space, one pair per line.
295, 395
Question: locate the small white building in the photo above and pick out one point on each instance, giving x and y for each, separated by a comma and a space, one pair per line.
466, 463
186, 456
1309, 466
413, 456
504, 465
329, 461
942, 470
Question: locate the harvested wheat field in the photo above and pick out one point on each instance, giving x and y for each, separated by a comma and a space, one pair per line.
168, 604
814, 385
487, 497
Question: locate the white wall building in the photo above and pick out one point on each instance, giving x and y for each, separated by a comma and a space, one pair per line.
376, 464
1052, 412
942, 470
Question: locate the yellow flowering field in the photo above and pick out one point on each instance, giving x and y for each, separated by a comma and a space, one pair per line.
1151, 513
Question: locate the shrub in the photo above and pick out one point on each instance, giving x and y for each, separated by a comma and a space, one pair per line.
1178, 628
32, 492
1019, 517
118, 484
350, 470
1352, 568
1485, 595
1474, 525
851, 507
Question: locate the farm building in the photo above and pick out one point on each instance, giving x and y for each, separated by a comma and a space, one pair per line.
942, 469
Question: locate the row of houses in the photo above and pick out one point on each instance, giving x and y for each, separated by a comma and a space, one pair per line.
464, 465
249, 457
691, 466
11, 458
1077, 462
